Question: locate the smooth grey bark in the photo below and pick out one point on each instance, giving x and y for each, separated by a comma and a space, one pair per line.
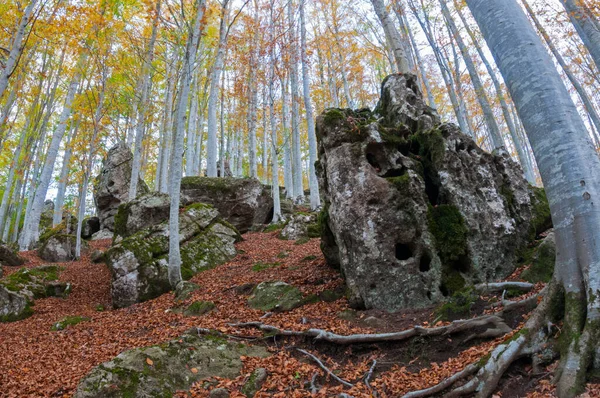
12, 211
419, 60
265, 148
529, 174
17, 47
587, 102
274, 158
587, 26
253, 96
222, 125
480, 92
162, 168
63, 179
189, 61
442, 65
569, 167
332, 83
190, 149
393, 36
287, 156
30, 232
296, 145
211, 145
11, 177
142, 109
315, 200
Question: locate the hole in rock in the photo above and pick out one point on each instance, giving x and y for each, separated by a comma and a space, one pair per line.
461, 147
394, 173
372, 159
425, 263
111, 183
462, 263
429, 295
403, 252
372, 286
432, 190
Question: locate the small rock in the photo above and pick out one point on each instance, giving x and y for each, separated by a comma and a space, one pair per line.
301, 225
198, 308
255, 382
58, 248
10, 257
275, 296
58, 289
184, 289
219, 393
244, 289
102, 234
373, 322
97, 256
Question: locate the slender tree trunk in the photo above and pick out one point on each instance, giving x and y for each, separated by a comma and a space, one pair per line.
570, 170
287, 156
265, 147
222, 125
274, 158
165, 146
17, 47
393, 36
480, 92
211, 146
177, 161
63, 180
253, 96
315, 200
587, 26
30, 233
143, 107
190, 152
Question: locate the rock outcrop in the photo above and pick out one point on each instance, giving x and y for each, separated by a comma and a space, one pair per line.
142, 212
9, 257
111, 186
58, 244
138, 263
242, 202
275, 296
161, 370
301, 225
414, 210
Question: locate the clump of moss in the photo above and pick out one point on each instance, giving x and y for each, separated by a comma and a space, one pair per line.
198, 308
67, 321
275, 227
401, 183
332, 115
541, 219
27, 276
303, 240
261, 266
309, 258
449, 230
458, 306
429, 146
542, 260
99, 307
313, 230
121, 219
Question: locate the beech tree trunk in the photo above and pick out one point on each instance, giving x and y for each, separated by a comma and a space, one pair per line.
586, 25
296, 146
570, 169
392, 35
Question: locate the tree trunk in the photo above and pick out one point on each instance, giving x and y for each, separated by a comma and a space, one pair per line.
586, 25
570, 169
253, 97
274, 158
287, 156
296, 145
480, 92
63, 180
315, 200
17, 47
392, 35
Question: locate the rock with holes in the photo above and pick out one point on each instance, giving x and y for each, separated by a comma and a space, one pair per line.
414, 210
111, 186
138, 262
162, 370
89, 227
242, 202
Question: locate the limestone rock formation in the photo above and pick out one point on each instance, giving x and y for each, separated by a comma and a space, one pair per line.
138, 263
111, 186
414, 210
301, 225
242, 202
13, 306
58, 248
142, 212
161, 370
9, 257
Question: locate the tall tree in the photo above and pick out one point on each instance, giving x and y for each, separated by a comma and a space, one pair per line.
393, 36
586, 25
570, 169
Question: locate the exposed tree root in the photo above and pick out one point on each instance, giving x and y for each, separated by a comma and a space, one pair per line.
500, 286
494, 327
444, 384
325, 368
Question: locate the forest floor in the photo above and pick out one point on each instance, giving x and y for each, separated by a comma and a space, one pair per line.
38, 362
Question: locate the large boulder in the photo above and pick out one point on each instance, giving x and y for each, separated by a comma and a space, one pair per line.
13, 306
414, 210
161, 370
242, 202
276, 296
47, 215
301, 225
142, 212
138, 263
58, 244
111, 186
10, 257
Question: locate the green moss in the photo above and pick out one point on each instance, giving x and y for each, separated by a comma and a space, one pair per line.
309, 258
429, 146
70, 320
448, 227
333, 115
261, 266
26, 313
541, 219
509, 198
541, 269
198, 206
220, 184
198, 308
27, 277
99, 307
301, 241
275, 227
574, 321
452, 280
401, 183
458, 306
121, 218
275, 296
313, 230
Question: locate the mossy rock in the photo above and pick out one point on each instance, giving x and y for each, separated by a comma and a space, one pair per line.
458, 306
275, 296
543, 259
331, 295
33, 282
14, 306
185, 289
198, 308
161, 370
70, 320
261, 266
254, 383
541, 220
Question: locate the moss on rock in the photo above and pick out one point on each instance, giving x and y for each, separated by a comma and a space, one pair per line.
198, 308
70, 320
275, 296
